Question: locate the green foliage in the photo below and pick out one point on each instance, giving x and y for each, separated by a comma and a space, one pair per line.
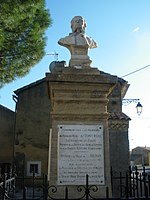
22, 37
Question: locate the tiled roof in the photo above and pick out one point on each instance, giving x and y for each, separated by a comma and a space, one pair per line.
118, 115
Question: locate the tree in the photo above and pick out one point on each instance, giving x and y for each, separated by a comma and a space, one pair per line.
22, 37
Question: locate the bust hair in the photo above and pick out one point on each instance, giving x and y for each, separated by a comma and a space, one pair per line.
73, 20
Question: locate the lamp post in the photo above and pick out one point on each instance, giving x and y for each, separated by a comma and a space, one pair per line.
139, 107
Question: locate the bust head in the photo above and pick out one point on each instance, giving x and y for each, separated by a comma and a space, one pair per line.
78, 24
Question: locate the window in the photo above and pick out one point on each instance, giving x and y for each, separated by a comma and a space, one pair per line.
34, 167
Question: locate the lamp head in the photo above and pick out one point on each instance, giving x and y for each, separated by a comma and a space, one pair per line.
139, 108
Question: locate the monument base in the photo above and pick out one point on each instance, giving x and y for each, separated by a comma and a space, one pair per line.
80, 138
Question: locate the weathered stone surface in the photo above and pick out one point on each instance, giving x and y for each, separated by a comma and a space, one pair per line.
79, 99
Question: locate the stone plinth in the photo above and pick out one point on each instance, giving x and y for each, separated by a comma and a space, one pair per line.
79, 121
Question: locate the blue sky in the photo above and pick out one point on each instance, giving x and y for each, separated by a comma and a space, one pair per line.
121, 29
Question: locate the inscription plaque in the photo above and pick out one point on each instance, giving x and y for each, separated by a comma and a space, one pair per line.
80, 152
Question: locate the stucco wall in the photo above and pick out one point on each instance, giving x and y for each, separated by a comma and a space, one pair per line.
6, 135
119, 147
118, 132
32, 126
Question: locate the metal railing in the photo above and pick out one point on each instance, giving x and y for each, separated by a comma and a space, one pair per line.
130, 185
7, 186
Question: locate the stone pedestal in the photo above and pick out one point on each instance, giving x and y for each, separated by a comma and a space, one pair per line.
79, 136
79, 57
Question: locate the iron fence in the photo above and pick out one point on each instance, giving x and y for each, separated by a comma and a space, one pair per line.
132, 184
129, 185
7, 186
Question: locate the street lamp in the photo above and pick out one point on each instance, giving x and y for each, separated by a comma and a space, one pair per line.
139, 107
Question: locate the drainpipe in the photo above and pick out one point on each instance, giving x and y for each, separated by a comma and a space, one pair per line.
15, 98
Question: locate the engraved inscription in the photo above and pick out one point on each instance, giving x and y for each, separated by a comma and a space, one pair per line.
80, 152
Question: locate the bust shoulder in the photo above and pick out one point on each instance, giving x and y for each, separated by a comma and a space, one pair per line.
68, 40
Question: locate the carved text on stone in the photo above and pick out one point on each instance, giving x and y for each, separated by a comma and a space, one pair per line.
80, 152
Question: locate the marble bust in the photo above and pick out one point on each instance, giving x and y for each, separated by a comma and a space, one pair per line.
78, 43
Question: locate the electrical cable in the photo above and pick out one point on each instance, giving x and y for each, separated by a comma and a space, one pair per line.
136, 71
